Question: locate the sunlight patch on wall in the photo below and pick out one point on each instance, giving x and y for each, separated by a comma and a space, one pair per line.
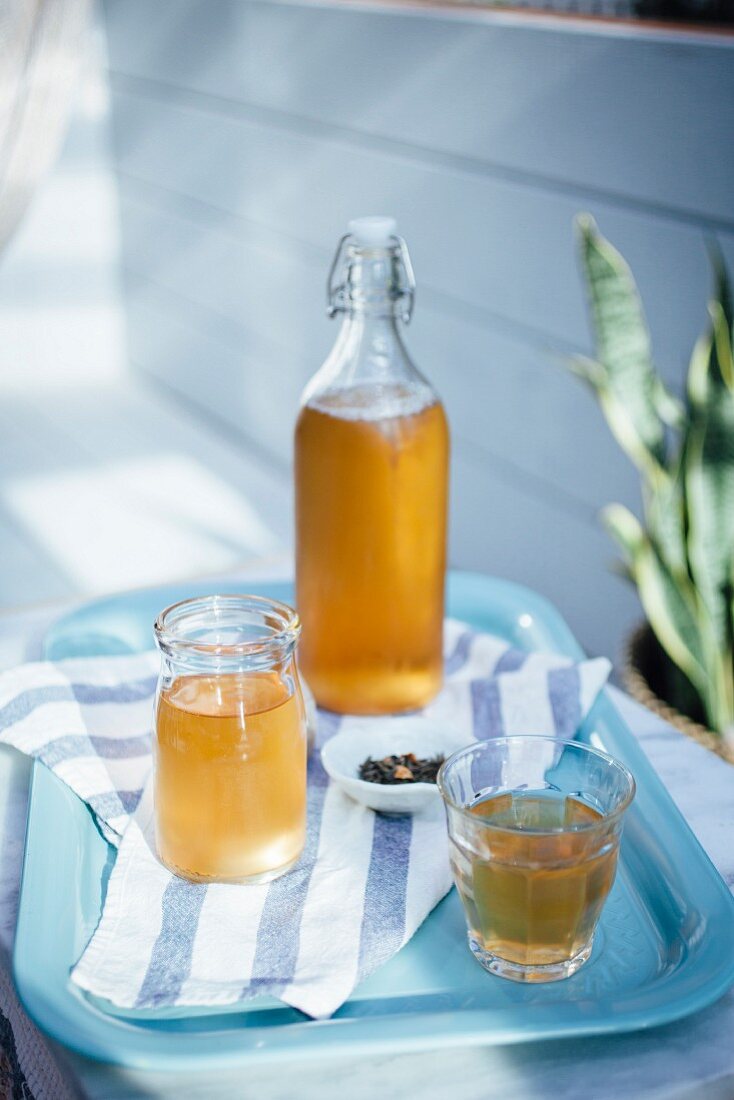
61, 314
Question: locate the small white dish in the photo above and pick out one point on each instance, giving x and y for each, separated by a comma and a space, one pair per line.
377, 738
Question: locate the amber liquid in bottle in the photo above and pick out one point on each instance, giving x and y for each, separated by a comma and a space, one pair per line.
371, 495
230, 782
537, 899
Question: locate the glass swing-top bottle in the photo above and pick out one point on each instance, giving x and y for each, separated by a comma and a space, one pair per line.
371, 480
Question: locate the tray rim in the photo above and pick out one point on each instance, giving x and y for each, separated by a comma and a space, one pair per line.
81, 1025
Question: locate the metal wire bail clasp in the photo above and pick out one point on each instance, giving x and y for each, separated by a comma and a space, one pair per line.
337, 293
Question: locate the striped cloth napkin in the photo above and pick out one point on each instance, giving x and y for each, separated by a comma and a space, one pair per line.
365, 882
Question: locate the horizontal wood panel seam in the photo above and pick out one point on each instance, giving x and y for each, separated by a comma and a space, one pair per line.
203, 213
147, 87
531, 485
218, 424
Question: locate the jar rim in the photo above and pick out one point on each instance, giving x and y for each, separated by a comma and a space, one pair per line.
283, 631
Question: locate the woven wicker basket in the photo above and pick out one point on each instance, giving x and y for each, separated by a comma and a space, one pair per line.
635, 657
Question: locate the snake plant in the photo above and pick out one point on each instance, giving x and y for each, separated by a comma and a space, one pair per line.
682, 558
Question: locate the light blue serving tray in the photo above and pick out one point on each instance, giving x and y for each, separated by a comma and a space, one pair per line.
665, 947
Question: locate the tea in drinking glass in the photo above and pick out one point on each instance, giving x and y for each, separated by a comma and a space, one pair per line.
534, 829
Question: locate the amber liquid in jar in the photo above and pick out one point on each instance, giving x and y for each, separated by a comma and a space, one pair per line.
230, 781
535, 899
371, 497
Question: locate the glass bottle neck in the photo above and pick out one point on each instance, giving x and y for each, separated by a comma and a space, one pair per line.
369, 351
375, 281
366, 332
371, 297
369, 366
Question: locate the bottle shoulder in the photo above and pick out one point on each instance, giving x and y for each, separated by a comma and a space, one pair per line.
375, 400
369, 374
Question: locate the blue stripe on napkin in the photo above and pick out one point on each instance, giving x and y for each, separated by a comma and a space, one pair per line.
486, 709
276, 953
564, 693
74, 745
133, 691
170, 959
112, 804
383, 921
460, 654
511, 660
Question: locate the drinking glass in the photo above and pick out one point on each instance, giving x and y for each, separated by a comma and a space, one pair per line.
534, 827
230, 740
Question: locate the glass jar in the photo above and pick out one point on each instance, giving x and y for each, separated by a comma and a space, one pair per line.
371, 479
230, 740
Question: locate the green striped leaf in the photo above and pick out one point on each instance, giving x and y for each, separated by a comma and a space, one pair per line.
669, 606
632, 395
709, 471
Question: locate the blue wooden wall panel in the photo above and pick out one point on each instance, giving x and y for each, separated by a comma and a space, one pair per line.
595, 108
504, 248
247, 132
503, 395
